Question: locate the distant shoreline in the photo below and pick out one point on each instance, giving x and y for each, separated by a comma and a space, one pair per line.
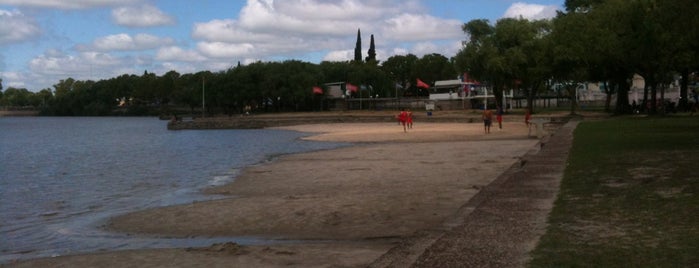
271, 120
18, 113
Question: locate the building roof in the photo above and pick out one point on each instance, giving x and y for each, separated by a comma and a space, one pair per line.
448, 83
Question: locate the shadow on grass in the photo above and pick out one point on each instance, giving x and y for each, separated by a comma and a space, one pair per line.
629, 197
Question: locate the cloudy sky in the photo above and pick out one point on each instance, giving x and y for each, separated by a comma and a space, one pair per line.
44, 41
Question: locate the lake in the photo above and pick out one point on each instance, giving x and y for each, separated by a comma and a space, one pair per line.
61, 178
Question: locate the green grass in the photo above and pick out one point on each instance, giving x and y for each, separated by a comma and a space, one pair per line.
629, 197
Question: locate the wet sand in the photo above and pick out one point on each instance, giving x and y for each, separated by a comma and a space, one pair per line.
342, 208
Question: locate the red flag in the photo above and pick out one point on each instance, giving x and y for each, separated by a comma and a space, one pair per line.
351, 88
421, 84
317, 90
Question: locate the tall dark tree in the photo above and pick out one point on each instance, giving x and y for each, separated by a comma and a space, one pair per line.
358, 47
510, 54
371, 54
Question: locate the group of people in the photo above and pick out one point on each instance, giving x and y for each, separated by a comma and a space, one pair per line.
488, 119
405, 118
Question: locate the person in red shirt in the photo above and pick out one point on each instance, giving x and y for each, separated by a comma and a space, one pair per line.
403, 119
527, 116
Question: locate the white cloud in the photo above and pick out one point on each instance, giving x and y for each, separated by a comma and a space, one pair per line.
306, 16
424, 48
55, 62
400, 51
226, 50
125, 42
339, 55
173, 53
67, 4
12, 79
228, 31
345, 10
55, 65
15, 27
267, 28
416, 27
531, 11
11, 75
141, 16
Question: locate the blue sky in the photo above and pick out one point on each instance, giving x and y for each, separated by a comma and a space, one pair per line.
44, 41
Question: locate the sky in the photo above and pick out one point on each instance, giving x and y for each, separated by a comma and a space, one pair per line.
45, 41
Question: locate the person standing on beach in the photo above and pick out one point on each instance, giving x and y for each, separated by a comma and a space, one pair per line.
487, 120
403, 119
527, 116
498, 117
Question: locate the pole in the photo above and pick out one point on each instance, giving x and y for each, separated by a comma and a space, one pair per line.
485, 102
504, 100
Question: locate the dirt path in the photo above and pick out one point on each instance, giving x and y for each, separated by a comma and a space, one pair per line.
501, 224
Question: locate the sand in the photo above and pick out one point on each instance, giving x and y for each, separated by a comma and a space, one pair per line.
344, 207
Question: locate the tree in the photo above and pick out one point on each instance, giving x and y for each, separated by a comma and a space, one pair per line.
433, 67
502, 56
165, 87
371, 54
16, 97
189, 91
399, 69
572, 58
358, 47
44, 96
614, 39
580, 6
687, 38
144, 91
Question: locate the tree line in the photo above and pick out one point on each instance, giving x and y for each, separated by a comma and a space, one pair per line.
605, 41
267, 86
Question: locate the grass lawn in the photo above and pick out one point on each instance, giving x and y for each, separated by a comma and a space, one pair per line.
629, 197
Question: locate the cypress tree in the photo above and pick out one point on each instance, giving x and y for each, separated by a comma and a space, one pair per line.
371, 54
358, 48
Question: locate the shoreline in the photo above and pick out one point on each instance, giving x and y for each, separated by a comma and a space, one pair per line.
272, 120
15, 113
357, 218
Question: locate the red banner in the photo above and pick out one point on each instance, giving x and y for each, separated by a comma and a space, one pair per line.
421, 84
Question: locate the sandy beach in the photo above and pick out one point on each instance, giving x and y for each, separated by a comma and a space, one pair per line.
344, 207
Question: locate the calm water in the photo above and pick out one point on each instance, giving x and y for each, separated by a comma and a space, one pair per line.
61, 178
